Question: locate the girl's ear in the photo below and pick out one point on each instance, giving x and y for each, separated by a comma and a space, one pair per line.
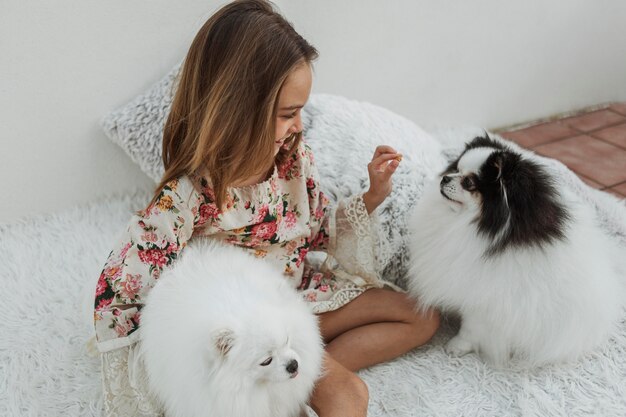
223, 340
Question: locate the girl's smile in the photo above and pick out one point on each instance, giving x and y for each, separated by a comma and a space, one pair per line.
293, 95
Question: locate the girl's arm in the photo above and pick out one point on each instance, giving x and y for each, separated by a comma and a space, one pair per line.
348, 232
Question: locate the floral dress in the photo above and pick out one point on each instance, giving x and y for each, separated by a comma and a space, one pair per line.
281, 220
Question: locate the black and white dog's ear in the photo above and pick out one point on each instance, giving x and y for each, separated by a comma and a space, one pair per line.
485, 141
223, 340
453, 155
507, 165
498, 164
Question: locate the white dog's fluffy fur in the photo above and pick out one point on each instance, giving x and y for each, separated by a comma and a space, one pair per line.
540, 292
211, 325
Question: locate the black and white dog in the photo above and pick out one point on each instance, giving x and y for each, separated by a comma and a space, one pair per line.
498, 241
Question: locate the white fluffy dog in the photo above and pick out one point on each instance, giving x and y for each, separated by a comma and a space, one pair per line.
523, 263
223, 334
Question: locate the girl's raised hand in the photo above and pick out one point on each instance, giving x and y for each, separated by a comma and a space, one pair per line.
380, 169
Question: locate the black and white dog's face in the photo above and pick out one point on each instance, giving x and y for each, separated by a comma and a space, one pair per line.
511, 199
473, 175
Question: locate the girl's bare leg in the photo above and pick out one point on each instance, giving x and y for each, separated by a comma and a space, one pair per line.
339, 393
377, 326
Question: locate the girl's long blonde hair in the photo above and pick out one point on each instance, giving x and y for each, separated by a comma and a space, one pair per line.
222, 121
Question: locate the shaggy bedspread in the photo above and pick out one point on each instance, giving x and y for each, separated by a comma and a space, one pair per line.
48, 263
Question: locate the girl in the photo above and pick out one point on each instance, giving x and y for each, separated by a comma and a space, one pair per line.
237, 170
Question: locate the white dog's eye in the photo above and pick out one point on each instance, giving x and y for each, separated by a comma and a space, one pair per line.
266, 361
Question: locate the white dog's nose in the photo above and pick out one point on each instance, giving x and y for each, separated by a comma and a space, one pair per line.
292, 366
446, 179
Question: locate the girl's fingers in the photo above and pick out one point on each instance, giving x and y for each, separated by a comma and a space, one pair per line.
382, 149
390, 169
381, 160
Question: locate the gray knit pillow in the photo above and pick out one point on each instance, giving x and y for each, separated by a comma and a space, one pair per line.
344, 129
137, 127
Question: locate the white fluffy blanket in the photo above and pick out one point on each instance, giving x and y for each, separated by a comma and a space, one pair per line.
47, 261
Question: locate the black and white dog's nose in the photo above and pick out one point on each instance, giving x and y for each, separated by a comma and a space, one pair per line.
446, 179
292, 366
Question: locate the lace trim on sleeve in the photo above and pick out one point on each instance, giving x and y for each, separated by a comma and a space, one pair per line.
355, 243
125, 385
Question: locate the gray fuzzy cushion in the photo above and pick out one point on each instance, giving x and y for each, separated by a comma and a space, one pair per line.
137, 127
343, 135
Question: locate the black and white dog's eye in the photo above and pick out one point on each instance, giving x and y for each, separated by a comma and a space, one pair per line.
468, 183
266, 361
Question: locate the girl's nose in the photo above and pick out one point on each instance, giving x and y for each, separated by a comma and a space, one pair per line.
297, 125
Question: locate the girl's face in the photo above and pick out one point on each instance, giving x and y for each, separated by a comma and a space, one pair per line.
293, 95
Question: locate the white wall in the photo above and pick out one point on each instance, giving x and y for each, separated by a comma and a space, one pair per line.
480, 62
66, 63
63, 65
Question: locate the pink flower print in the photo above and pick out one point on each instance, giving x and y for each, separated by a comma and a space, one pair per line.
310, 184
321, 240
173, 247
142, 224
103, 304
290, 219
319, 213
102, 285
323, 287
113, 272
247, 205
208, 211
149, 237
230, 202
124, 250
122, 329
263, 211
310, 296
285, 168
316, 279
264, 230
130, 286
301, 256
152, 257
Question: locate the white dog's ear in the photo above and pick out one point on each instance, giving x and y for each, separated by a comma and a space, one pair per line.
223, 340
